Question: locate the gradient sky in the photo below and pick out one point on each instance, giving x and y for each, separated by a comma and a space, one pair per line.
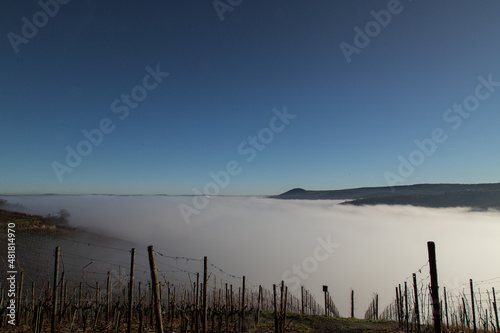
353, 120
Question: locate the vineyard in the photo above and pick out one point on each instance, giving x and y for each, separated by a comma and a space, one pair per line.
86, 286
467, 307
199, 302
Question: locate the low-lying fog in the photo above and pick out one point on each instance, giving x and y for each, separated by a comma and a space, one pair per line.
372, 248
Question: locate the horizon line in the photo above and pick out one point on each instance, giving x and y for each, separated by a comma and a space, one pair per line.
236, 195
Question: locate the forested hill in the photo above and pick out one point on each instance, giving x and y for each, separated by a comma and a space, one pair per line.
478, 196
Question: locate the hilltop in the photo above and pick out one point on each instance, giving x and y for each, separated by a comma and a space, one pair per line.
28, 223
475, 196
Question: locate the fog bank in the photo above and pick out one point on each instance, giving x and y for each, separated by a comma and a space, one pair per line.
372, 248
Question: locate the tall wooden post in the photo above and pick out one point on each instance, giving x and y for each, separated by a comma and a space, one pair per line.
376, 306
156, 290
401, 307
302, 299
325, 291
446, 308
352, 303
259, 305
486, 320
283, 320
131, 291
204, 303
242, 306
473, 305
417, 310
54, 292
197, 304
466, 317
276, 326
282, 300
406, 309
496, 309
436, 313
282, 295
398, 311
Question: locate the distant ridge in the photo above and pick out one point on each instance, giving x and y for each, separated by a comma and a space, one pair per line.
295, 191
476, 196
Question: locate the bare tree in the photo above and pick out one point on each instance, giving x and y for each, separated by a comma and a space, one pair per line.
61, 219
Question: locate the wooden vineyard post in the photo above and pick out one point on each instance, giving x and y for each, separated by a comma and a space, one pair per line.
282, 306
242, 306
401, 309
283, 320
276, 330
325, 291
155, 290
376, 306
204, 302
54, 292
231, 299
417, 311
486, 320
466, 317
406, 310
436, 313
473, 307
197, 304
398, 311
259, 303
495, 307
352, 303
282, 291
302, 299
131, 291
446, 309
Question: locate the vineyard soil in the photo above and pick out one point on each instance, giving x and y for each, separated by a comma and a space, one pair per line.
295, 324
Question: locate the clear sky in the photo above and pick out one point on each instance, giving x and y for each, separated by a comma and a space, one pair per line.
312, 94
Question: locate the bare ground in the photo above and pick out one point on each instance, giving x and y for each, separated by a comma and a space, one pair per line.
296, 323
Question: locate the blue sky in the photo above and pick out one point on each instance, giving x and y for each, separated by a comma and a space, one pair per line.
353, 121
